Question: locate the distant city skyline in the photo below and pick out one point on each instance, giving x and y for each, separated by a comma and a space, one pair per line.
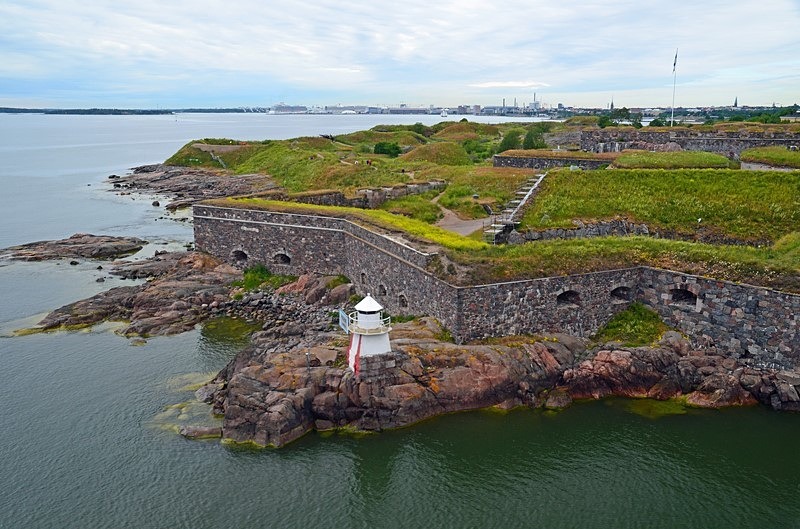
205, 53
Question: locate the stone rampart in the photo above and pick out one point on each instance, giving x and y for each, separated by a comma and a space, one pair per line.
542, 162
617, 227
759, 326
729, 143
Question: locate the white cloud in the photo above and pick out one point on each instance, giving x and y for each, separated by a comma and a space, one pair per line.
510, 84
470, 50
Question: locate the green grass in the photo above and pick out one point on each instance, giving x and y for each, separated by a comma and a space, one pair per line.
444, 153
259, 276
747, 205
777, 266
417, 207
404, 138
494, 186
336, 281
777, 156
635, 326
550, 153
671, 160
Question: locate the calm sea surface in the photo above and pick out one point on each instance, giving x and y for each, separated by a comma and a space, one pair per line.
87, 430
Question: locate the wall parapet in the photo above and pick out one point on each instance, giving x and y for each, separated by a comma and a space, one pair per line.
543, 162
731, 143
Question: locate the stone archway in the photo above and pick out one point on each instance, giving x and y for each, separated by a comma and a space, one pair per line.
569, 298
282, 259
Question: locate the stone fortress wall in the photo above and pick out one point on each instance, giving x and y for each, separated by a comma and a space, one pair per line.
758, 326
615, 139
543, 162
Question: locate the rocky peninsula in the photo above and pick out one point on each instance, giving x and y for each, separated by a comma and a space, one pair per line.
185, 186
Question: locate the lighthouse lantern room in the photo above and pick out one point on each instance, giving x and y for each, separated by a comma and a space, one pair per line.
369, 332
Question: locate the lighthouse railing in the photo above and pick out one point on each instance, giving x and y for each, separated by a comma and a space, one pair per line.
383, 325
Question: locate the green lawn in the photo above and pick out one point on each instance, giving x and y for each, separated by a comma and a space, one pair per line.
747, 205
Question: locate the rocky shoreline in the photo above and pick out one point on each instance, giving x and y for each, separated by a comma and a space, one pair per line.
186, 186
289, 383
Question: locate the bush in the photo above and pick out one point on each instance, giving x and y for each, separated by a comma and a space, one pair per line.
391, 149
533, 140
637, 325
259, 275
510, 141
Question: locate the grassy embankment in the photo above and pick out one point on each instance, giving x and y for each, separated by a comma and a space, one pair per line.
753, 206
776, 156
672, 160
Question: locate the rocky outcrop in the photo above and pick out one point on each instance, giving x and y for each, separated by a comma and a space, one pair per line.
290, 381
186, 185
80, 245
187, 288
182, 286
272, 394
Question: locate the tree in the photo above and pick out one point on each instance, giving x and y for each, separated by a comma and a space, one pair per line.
533, 140
658, 122
510, 140
389, 148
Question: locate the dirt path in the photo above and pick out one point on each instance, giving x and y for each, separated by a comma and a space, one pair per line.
451, 221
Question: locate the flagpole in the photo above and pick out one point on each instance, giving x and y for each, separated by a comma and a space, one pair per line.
674, 77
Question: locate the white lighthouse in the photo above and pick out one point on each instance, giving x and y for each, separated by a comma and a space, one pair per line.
369, 332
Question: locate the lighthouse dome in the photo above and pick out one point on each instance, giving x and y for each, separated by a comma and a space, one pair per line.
368, 305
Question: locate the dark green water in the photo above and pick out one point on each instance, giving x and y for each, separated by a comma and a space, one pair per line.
82, 446
85, 438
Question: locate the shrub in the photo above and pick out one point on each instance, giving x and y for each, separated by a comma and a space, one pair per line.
259, 276
389, 148
637, 325
511, 140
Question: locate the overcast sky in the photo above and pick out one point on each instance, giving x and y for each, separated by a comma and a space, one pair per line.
209, 53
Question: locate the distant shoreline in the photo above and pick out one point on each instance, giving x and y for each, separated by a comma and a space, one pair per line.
121, 111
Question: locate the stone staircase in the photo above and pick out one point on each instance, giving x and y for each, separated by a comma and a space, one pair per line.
510, 217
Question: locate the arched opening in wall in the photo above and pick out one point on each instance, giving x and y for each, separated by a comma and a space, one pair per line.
381, 290
621, 295
682, 296
239, 256
402, 301
282, 258
569, 298
363, 278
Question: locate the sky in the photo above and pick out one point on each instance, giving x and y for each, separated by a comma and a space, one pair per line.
210, 53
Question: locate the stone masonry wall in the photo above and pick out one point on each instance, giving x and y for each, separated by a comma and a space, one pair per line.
614, 139
577, 304
540, 162
756, 325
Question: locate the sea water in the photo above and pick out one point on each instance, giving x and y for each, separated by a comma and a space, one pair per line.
87, 435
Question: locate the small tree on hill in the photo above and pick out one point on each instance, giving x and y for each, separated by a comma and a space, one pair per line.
390, 148
510, 140
533, 140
